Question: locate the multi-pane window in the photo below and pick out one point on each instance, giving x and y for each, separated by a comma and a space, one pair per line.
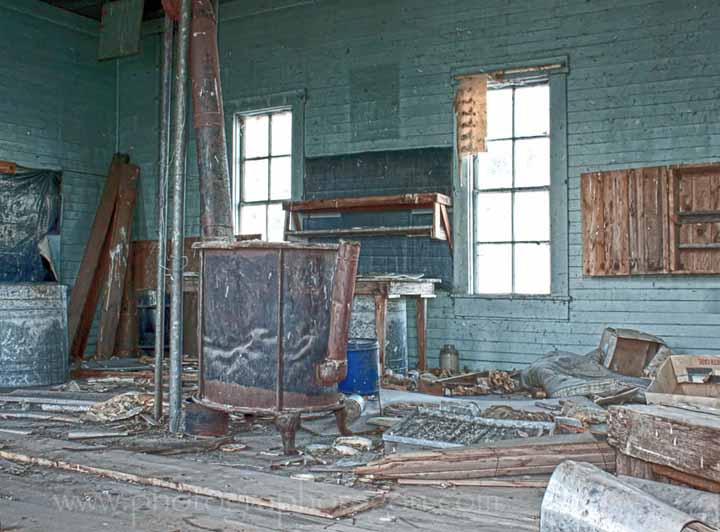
263, 172
512, 193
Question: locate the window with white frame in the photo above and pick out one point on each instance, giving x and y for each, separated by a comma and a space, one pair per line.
263, 171
511, 193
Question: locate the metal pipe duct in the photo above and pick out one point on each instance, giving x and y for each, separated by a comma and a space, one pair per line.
334, 368
166, 75
178, 170
209, 121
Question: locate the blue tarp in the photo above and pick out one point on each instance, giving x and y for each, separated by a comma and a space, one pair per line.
30, 210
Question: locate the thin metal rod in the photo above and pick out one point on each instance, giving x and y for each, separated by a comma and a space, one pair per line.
178, 172
165, 99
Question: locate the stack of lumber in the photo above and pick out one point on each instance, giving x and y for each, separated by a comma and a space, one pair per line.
661, 442
518, 457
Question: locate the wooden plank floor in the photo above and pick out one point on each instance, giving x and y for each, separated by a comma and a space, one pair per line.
38, 499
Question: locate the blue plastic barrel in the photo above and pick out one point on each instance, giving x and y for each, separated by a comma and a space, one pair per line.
362, 374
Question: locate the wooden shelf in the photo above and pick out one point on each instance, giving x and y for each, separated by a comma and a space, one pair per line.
437, 203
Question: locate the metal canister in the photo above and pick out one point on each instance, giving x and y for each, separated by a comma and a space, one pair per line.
449, 358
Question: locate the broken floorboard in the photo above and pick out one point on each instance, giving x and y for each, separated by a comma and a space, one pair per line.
249, 487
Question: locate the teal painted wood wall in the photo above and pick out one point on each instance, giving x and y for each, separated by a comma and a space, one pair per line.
642, 90
57, 110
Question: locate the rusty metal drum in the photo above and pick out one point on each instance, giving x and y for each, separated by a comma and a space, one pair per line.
264, 326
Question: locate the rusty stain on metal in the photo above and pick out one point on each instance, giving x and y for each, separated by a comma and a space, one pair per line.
209, 122
271, 315
334, 368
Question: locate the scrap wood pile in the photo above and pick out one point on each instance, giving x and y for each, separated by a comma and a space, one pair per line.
511, 459
450, 383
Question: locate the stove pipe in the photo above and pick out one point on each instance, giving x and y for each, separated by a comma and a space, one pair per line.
209, 122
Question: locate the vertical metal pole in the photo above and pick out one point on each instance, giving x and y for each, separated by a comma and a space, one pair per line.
178, 168
165, 99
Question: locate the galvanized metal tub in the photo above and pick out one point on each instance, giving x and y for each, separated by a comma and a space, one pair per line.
264, 325
33, 334
362, 325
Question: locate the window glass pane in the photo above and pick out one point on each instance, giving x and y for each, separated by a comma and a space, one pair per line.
493, 216
532, 111
280, 178
276, 222
255, 136
532, 268
255, 180
252, 220
494, 169
499, 113
532, 215
494, 268
282, 133
532, 162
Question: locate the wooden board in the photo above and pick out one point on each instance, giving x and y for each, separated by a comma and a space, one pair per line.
681, 439
647, 214
471, 114
93, 268
368, 203
606, 248
120, 238
508, 459
224, 483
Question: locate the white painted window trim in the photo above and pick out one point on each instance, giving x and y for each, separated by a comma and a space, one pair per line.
464, 252
293, 101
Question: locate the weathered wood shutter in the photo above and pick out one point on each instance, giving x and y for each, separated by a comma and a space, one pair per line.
651, 220
695, 223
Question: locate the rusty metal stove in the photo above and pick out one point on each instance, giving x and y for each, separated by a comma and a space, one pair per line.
273, 326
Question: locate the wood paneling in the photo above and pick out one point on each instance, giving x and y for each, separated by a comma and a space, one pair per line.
606, 228
647, 213
654, 220
698, 190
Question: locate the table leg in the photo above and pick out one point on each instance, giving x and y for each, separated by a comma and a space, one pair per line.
380, 314
421, 326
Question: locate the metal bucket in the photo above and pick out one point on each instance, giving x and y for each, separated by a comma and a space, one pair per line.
146, 303
266, 326
362, 325
362, 373
33, 335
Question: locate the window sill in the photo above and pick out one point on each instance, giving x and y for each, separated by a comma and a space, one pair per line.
513, 307
513, 297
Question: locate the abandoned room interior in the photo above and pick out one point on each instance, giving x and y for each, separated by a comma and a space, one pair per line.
334, 265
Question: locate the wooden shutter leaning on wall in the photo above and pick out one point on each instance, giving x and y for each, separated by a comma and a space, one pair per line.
651, 220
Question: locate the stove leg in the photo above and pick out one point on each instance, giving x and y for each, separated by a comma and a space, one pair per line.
288, 424
341, 418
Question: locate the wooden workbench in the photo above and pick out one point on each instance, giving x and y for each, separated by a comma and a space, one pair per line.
387, 287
